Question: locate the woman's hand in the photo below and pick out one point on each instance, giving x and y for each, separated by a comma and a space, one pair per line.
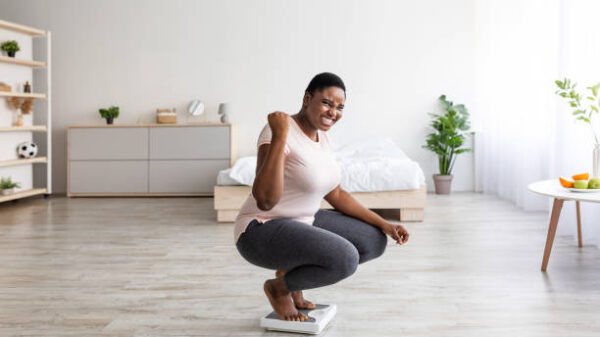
278, 121
397, 232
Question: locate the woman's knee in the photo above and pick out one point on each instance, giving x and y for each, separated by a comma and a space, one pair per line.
376, 246
347, 262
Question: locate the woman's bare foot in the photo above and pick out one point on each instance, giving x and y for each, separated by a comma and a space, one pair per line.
281, 300
297, 296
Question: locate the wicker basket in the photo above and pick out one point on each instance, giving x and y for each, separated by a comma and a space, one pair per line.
166, 116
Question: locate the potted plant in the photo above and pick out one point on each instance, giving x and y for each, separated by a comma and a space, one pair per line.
7, 186
583, 110
109, 114
451, 129
10, 47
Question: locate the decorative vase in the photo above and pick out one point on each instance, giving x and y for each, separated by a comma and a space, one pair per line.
11, 53
596, 162
19, 121
442, 183
224, 111
109, 120
8, 191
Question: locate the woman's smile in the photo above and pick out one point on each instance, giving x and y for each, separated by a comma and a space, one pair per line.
327, 121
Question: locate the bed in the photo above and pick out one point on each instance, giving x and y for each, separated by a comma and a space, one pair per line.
375, 172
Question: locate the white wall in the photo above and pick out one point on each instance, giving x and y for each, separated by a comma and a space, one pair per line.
396, 58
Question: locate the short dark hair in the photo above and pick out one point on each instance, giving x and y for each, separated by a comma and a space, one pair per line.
325, 80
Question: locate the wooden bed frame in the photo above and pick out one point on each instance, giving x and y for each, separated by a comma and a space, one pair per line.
408, 205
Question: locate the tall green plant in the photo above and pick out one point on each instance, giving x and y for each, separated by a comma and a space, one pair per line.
451, 129
584, 109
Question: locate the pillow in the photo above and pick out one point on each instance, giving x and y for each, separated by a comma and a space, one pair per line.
244, 170
376, 164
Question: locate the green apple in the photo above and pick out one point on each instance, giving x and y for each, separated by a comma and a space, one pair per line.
581, 184
594, 183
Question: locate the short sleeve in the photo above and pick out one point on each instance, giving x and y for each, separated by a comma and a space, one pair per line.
265, 138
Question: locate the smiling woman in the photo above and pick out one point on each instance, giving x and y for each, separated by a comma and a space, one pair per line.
323, 103
280, 225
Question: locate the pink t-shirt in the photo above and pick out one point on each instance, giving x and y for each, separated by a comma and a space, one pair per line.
310, 173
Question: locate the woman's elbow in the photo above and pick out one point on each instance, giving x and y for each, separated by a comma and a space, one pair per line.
264, 203
263, 206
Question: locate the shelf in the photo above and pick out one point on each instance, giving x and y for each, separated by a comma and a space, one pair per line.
23, 128
21, 94
22, 194
15, 27
17, 162
22, 62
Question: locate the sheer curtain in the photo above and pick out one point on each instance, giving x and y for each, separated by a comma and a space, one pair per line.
527, 132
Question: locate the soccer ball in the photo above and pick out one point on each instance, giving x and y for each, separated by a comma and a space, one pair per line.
27, 150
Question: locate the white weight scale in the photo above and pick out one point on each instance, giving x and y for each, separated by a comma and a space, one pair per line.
317, 320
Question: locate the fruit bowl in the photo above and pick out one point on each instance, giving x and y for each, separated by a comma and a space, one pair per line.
581, 184
583, 190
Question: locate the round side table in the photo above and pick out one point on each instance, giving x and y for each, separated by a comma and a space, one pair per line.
552, 188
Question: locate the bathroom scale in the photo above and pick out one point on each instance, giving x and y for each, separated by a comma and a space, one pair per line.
317, 320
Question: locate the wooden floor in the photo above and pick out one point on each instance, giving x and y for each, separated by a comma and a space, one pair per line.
164, 267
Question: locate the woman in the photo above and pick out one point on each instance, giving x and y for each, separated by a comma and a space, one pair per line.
280, 225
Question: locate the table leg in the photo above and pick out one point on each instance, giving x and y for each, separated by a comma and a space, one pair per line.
556, 208
578, 224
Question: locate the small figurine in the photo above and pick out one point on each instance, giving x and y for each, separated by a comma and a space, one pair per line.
27, 87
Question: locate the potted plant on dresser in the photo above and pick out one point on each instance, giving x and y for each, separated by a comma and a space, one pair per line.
7, 186
451, 129
109, 114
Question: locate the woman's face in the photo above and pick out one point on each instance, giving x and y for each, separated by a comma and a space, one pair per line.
324, 108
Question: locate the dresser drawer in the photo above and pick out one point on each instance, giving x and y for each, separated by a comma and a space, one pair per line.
185, 176
108, 143
190, 142
108, 176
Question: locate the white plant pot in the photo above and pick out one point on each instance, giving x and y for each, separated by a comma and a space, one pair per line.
8, 191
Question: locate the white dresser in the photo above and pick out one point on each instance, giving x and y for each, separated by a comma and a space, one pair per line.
148, 159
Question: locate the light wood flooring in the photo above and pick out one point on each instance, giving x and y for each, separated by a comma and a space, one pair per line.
164, 267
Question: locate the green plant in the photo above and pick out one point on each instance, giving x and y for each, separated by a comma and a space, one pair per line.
585, 109
10, 46
451, 129
112, 112
7, 183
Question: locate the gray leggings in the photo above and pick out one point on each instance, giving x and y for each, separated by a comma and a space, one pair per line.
314, 256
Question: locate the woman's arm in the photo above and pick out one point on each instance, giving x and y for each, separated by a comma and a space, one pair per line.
270, 163
345, 203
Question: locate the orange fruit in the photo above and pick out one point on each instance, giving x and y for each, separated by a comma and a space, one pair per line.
581, 176
565, 183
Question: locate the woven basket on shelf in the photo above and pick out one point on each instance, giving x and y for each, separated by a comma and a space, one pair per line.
166, 116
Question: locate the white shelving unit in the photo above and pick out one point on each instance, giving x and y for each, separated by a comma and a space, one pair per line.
21, 69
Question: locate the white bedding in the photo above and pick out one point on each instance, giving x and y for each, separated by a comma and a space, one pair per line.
374, 165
